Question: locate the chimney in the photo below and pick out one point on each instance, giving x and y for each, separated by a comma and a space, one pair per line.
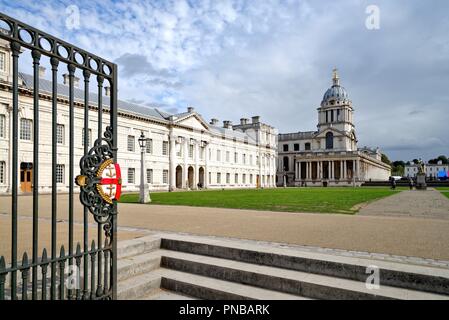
107, 91
190, 109
256, 119
244, 121
214, 122
41, 72
227, 124
76, 80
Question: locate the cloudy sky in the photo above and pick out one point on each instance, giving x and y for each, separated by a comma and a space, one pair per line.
231, 59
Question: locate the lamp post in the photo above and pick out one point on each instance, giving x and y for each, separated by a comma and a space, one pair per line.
144, 190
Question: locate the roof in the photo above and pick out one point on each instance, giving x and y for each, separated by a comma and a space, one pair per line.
297, 135
63, 90
45, 86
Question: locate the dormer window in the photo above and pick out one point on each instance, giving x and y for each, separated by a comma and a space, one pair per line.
2, 61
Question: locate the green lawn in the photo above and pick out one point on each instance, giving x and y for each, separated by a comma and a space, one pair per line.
325, 200
444, 191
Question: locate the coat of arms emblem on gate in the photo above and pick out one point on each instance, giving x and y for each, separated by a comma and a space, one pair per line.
100, 180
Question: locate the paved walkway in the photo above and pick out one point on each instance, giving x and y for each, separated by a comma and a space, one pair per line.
398, 235
420, 204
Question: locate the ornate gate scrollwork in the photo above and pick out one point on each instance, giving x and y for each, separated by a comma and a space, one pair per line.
100, 181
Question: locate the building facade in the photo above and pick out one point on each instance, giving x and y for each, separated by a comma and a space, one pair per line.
183, 151
329, 156
433, 171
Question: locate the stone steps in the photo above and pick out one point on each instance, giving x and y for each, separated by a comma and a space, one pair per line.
203, 287
407, 276
298, 283
172, 267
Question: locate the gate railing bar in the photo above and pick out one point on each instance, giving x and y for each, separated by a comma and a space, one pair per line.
100, 80
36, 62
54, 63
86, 74
15, 47
113, 123
71, 68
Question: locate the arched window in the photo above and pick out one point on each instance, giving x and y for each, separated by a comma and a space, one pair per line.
286, 166
329, 140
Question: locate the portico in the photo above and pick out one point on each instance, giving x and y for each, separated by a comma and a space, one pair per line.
329, 156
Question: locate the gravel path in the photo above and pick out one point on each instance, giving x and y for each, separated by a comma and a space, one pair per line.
429, 204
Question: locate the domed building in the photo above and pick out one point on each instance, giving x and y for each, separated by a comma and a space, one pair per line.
329, 156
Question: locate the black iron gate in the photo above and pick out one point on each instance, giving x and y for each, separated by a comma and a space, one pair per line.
45, 276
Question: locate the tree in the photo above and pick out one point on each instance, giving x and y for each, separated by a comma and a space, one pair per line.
415, 161
443, 159
385, 159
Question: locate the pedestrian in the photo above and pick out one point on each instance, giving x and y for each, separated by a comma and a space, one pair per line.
410, 183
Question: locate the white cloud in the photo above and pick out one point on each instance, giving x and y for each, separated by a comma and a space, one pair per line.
273, 58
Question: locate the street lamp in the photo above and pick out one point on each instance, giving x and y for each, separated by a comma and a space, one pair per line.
144, 190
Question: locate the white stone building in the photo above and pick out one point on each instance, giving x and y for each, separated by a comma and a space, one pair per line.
329, 156
431, 170
184, 151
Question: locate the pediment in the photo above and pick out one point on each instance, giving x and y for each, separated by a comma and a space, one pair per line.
192, 121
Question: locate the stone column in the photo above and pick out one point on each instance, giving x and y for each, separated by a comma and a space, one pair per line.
185, 155
196, 174
206, 169
172, 161
345, 175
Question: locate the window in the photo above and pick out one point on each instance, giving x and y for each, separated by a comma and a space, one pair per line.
2, 172
131, 143
329, 140
149, 146
251, 159
165, 148
60, 134
285, 147
218, 177
296, 147
332, 115
89, 137
165, 176
59, 173
150, 176
179, 150
228, 178
131, 175
257, 160
227, 156
25, 129
236, 157
244, 178
2, 61
286, 164
307, 146
218, 155
2, 125
236, 178
244, 158
202, 153
210, 177
191, 151
251, 179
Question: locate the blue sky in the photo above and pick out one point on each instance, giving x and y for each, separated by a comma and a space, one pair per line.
231, 59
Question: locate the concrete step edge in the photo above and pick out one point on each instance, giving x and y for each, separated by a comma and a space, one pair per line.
138, 286
139, 264
129, 248
212, 289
